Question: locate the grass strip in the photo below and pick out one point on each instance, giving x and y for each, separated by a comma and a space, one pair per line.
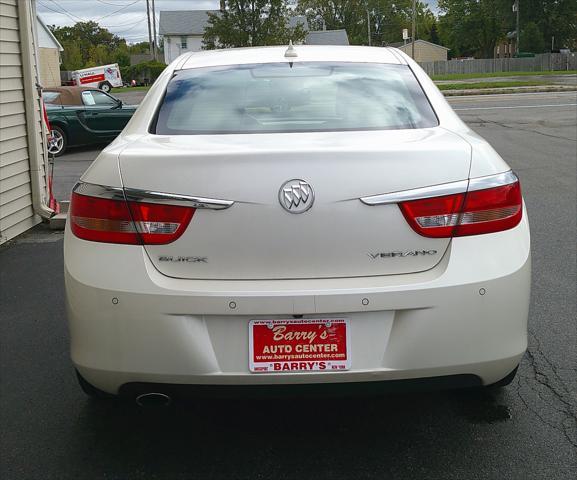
129, 89
483, 85
464, 76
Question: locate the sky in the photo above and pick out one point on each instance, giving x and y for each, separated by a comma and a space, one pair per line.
125, 18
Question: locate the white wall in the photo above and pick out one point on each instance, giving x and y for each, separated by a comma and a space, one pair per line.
172, 48
44, 39
16, 203
49, 67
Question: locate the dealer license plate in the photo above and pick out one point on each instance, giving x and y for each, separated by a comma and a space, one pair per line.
296, 345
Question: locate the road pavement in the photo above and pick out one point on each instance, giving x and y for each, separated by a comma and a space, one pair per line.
526, 431
130, 97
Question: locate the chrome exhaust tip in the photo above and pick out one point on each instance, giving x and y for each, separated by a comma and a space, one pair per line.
153, 399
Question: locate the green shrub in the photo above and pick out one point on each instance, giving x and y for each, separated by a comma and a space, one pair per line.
150, 70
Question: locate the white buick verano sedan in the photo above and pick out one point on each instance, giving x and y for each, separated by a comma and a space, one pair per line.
301, 215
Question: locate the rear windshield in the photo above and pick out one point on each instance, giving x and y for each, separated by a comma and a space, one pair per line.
302, 97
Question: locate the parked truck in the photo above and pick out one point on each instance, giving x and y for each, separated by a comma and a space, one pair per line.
104, 77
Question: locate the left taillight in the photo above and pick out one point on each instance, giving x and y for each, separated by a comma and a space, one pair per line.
101, 214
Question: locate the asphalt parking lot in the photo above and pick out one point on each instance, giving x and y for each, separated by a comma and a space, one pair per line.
526, 431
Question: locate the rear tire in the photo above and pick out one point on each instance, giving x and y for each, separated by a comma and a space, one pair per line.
105, 87
58, 141
505, 380
91, 390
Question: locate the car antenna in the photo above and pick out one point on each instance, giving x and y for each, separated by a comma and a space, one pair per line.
291, 52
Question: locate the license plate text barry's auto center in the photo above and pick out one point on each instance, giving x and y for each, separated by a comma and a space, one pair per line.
299, 345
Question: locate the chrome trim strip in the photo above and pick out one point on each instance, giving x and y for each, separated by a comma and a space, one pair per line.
417, 193
135, 195
491, 181
100, 191
451, 188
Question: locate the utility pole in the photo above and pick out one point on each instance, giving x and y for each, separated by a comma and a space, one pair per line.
414, 29
369, 24
155, 54
150, 46
516, 9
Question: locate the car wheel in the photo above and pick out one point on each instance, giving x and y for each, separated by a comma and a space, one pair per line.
91, 390
505, 380
57, 143
105, 87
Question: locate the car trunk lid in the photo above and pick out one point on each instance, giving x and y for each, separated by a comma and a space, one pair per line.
256, 238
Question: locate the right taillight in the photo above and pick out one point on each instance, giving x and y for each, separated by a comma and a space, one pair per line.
476, 212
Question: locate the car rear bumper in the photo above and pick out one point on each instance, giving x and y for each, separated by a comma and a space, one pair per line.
130, 324
182, 391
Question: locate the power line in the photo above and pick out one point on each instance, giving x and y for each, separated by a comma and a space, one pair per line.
136, 36
76, 18
132, 22
66, 11
130, 28
59, 12
131, 25
108, 3
119, 10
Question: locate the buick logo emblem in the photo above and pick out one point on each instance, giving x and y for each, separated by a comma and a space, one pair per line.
296, 196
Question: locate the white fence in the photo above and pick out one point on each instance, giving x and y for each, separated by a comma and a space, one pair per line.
538, 63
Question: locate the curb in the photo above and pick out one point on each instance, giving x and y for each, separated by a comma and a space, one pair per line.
492, 91
58, 221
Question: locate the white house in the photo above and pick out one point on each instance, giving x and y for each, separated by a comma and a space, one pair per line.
23, 193
49, 60
182, 31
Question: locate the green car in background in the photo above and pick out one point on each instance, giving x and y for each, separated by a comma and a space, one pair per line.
83, 116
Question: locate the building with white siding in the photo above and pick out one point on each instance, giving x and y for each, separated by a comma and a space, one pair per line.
23, 192
182, 31
49, 59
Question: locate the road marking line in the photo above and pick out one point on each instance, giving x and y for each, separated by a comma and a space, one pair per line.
517, 106
501, 95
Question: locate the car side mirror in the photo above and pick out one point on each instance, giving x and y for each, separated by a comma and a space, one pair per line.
118, 104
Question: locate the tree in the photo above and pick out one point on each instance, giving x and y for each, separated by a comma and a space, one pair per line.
98, 55
89, 44
139, 48
71, 56
473, 27
121, 55
531, 39
247, 23
427, 27
553, 18
387, 18
434, 34
335, 15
